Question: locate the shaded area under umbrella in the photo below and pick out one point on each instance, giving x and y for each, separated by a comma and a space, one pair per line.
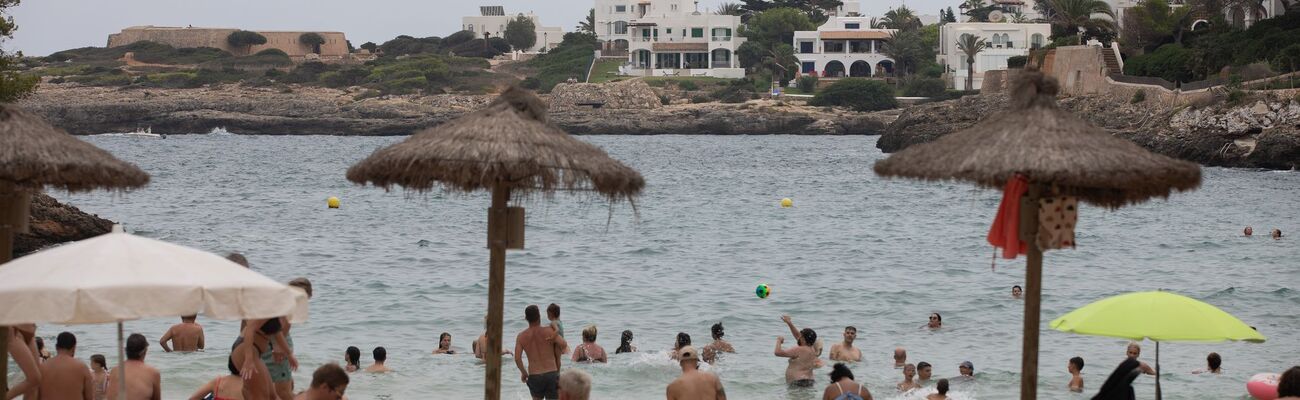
35, 155
1054, 150
1159, 316
510, 149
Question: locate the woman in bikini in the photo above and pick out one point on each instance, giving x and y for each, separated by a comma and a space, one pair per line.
589, 351
246, 355
228, 387
22, 347
352, 356
843, 387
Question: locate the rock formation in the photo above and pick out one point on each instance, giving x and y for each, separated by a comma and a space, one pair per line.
54, 222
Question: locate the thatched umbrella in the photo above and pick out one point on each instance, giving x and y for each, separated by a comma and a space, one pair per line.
34, 155
507, 148
1052, 148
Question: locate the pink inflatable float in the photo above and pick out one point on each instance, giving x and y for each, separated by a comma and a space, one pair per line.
1262, 386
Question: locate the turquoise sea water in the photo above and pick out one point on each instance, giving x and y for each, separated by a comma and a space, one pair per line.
395, 269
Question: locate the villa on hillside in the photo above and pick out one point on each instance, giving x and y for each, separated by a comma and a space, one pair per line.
335, 47
1238, 17
845, 46
1005, 40
668, 38
492, 20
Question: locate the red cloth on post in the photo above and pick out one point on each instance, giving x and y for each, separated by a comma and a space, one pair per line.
1005, 232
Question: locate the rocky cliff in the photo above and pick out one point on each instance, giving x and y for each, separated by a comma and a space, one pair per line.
54, 222
1262, 133
300, 110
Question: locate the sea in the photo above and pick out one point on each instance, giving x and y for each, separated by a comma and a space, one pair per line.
395, 269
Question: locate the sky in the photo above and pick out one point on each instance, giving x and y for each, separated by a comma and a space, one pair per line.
47, 26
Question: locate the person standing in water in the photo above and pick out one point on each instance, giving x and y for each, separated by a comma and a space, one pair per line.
329, 382
1017, 291
681, 341
803, 357
965, 372
900, 357
844, 351
909, 372
227, 387
553, 314
99, 375
381, 356
625, 343
694, 384
711, 350
185, 337
1248, 231
542, 346
942, 388
843, 387
923, 373
64, 376
444, 345
479, 347
143, 381
1213, 364
589, 351
1076, 374
352, 358
1277, 233
1133, 352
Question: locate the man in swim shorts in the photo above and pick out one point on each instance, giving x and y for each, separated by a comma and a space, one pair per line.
803, 357
542, 346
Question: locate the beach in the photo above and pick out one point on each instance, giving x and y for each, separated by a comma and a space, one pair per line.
395, 269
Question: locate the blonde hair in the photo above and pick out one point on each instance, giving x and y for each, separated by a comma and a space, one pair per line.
576, 383
589, 333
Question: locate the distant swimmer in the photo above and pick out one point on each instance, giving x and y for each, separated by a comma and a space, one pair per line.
185, 337
909, 372
1213, 365
444, 344
936, 321
966, 371
352, 358
542, 346
589, 351
1248, 231
900, 357
923, 373
694, 384
1016, 291
1076, 374
710, 351
942, 388
681, 341
1133, 352
625, 343
803, 357
1277, 233
381, 357
480, 346
844, 351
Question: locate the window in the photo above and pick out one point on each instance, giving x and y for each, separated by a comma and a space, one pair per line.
469, 28
620, 9
852, 25
1036, 41
697, 32
806, 47
668, 31
833, 46
620, 27
808, 67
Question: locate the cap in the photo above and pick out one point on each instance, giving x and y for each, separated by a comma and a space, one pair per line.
967, 364
688, 353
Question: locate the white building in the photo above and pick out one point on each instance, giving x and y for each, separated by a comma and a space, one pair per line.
669, 37
492, 20
1236, 17
1005, 40
845, 45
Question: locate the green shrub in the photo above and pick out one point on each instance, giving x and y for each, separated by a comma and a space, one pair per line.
531, 83
1138, 97
657, 82
111, 78
171, 80
1017, 61
738, 91
1170, 62
808, 83
405, 85
452, 40
344, 78
1236, 97
687, 85
857, 94
925, 87
568, 60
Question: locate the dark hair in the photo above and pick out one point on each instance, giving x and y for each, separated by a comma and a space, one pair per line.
1214, 360
238, 259
1289, 383
135, 346
937, 317
302, 283
98, 359
923, 365
1017, 287
1119, 385
532, 315
717, 331
840, 371
230, 365
855, 329
444, 335
271, 326
330, 376
189, 318
553, 310
65, 341
809, 336
942, 386
40, 343
354, 355
1078, 362
625, 343
380, 354
683, 340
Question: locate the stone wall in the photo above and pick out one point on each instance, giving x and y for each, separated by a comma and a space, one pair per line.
633, 94
335, 43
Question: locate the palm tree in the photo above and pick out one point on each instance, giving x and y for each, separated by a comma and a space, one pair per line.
971, 45
901, 18
876, 24
971, 5
1018, 17
781, 61
1072, 16
588, 25
729, 9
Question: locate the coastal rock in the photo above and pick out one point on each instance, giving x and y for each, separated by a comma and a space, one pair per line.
53, 222
630, 95
1265, 134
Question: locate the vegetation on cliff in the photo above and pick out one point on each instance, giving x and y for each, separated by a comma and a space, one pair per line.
13, 85
1181, 56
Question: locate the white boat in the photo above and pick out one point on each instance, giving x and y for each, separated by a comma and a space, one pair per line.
145, 133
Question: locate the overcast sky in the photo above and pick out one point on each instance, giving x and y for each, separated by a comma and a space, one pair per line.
47, 26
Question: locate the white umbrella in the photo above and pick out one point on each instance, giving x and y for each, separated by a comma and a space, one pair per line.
117, 277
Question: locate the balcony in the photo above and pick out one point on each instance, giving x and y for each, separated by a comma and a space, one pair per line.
722, 38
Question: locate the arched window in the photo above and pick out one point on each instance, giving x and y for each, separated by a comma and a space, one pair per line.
620, 27
997, 40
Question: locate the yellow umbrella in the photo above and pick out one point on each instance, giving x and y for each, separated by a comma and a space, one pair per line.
1159, 316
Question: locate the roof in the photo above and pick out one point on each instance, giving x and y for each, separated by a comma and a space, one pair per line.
492, 11
680, 47
855, 35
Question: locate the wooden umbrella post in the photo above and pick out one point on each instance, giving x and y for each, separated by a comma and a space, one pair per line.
1033, 292
14, 214
498, 226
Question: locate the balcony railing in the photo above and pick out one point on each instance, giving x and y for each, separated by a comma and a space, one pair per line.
722, 38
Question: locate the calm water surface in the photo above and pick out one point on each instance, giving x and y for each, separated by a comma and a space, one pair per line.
394, 269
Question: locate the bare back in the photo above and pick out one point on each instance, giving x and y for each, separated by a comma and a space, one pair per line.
65, 377
245, 356
696, 385
143, 382
802, 361
542, 346
185, 337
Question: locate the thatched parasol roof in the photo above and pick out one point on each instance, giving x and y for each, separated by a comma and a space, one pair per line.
508, 141
35, 154
1049, 145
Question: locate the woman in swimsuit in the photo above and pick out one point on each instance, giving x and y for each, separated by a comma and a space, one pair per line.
444, 344
246, 355
589, 351
22, 347
843, 387
99, 376
625, 345
352, 356
683, 340
228, 387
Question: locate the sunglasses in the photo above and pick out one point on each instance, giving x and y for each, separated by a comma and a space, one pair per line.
933, 318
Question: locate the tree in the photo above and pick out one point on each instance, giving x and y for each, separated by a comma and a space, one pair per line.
1072, 16
730, 9
858, 94
951, 17
814, 9
1018, 17
13, 85
901, 18
781, 63
370, 46
245, 39
454, 39
776, 25
1288, 59
521, 33
313, 39
588, 25
1153, 23
908, 50
971, 46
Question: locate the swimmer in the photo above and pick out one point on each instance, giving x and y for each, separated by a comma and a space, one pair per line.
803, 357
1277, 233
693, 383
942, 387
682, 340
843, 387
143, 380
710, 351
1076, 376
965, 371
1248, 231
589, 351
352, 359
625, 343
1133, 352
186, 336
381, 356
1213, 365
1016, 291
844, 351
900, 357
936, 321
479, 347
444, 344
328, 382
923, 373
909, 371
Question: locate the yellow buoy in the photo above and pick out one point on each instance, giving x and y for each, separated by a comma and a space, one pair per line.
333, 202
786, 202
